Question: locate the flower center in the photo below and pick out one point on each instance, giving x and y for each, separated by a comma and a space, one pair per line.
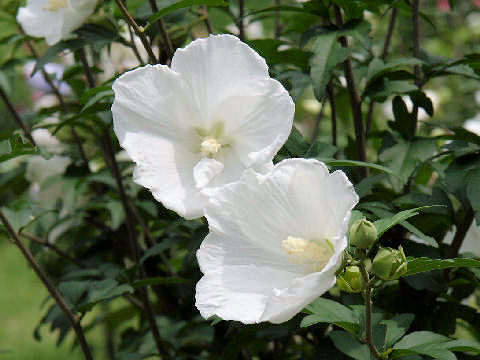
311, 254
210, 146
55, 5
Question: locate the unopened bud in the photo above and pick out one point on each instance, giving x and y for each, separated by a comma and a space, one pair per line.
351, 280
389, 264
363, 234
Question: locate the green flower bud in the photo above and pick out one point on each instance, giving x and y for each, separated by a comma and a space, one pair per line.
363, 234
389, 264
351, 280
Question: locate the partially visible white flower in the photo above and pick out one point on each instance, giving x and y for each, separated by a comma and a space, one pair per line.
40, 169
253, 30
197, 126
38, 81
54, 20
473, 125
312, 106
275, 242
119, 58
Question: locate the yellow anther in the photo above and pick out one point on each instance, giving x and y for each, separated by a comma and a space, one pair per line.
310, 254
210, 146
55, 5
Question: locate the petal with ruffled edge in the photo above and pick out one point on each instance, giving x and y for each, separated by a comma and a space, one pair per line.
230, 84
242, 257
165, 168
76, 14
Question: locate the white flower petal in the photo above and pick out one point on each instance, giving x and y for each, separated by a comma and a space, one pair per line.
230, 84
258, 123
205, 171
165, 168
217, 101
36, 20
243, 258
150, 100
216, 68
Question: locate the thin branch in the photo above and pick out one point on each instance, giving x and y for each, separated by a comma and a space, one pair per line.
52, 247
110, 159
208, 23
138, 30
388, 37
368, 313
462, 229
355, 99
150, 240
240, 20
318, 120
60, 301
278, 23
163, 30
333, 109
58, 95
86, 67
134, 46
416, 52
18, 119
61, 253
133, 244
386, 47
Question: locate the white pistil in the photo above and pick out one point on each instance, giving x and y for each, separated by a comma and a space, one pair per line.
210, 146
313, 255
55, 5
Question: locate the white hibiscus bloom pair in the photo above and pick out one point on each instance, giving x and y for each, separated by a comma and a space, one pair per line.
54, 20
203, 134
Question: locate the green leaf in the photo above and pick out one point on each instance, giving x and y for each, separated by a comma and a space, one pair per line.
296, 144
464, 345
16, 146
423, 264
327, 54
320, 149
377, 67
383, 88
396, 328
160, 280
404, 121
53, 51
347, 344
329, 311
385, 224
280, 8
103, 290
425, 343
473, 191
421, 99
404, 157
18, 219
181, 5
95, 95
355, 163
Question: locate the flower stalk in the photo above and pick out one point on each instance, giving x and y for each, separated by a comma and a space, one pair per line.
368, 312
355, 99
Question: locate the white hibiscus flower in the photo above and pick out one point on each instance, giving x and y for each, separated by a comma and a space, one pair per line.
275, 242
54, 19
197, 126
